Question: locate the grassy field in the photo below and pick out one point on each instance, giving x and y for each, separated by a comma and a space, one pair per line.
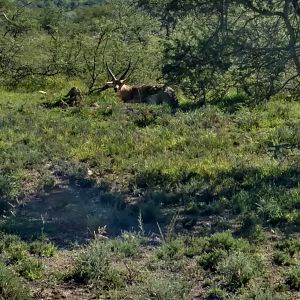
201, 202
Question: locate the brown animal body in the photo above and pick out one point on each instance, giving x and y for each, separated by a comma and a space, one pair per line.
152, 93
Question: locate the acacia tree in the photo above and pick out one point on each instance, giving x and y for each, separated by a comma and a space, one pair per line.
252, 46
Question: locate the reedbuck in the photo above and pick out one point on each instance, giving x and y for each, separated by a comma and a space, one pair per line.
151, 93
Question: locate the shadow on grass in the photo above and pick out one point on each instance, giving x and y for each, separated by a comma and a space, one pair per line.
71, 215
229, 104
274, 198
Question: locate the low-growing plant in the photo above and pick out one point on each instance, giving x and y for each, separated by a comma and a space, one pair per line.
290, 246
93, 262
292, 278
283, 258
225, 240
42, 248
162, 287
286, 250
238, 269
94, 266
194, 246
128, 245
252, 229
215, 292
257, 293
218, 246
17, 251
11, 287
211, 259
31, 268
172, 250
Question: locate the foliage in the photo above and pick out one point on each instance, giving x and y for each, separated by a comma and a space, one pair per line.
128, 245
42, 248
238, 269
30, 268
94, 266
13, 248
253, 54
162, 287
11, 287
287, 250
293, 278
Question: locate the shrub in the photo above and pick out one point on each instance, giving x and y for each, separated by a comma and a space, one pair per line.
251, 228
94, 266
282, 258
13, 249
195, 246
171, 250
225, 240
30, 268
14, 246
217, 293
93, 262
290, 246
286, 251
11, 286
261, 294
210, 260
128, 245
162, 287
17, 251
42, 248
293, 278
238, 269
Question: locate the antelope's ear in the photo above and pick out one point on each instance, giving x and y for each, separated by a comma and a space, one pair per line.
122, 81
110, 83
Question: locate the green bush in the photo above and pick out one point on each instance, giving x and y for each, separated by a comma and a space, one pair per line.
161, 287
210, 260
286, 250
30, 268
238, 269
217, 247
257, 293
217, 293
292, 278
128, 245
171, 250
291, 246
17, 251
42, 248
225, 240
93, 262
195, 246
11, 287
94, 266
252, 229
282, 258
13, 248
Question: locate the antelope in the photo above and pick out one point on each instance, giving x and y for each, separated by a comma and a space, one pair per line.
151, 93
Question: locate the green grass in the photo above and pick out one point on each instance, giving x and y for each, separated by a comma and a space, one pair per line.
11, 287
220, 169
208, 157
206, 152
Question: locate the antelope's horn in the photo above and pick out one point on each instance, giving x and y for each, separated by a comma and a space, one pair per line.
124, 74
111, 73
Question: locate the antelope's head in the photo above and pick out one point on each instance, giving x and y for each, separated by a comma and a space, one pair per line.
116, 83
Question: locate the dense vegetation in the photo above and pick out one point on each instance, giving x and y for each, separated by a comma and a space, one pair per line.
201, 201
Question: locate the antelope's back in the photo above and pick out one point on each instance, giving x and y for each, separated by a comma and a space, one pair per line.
158, 94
